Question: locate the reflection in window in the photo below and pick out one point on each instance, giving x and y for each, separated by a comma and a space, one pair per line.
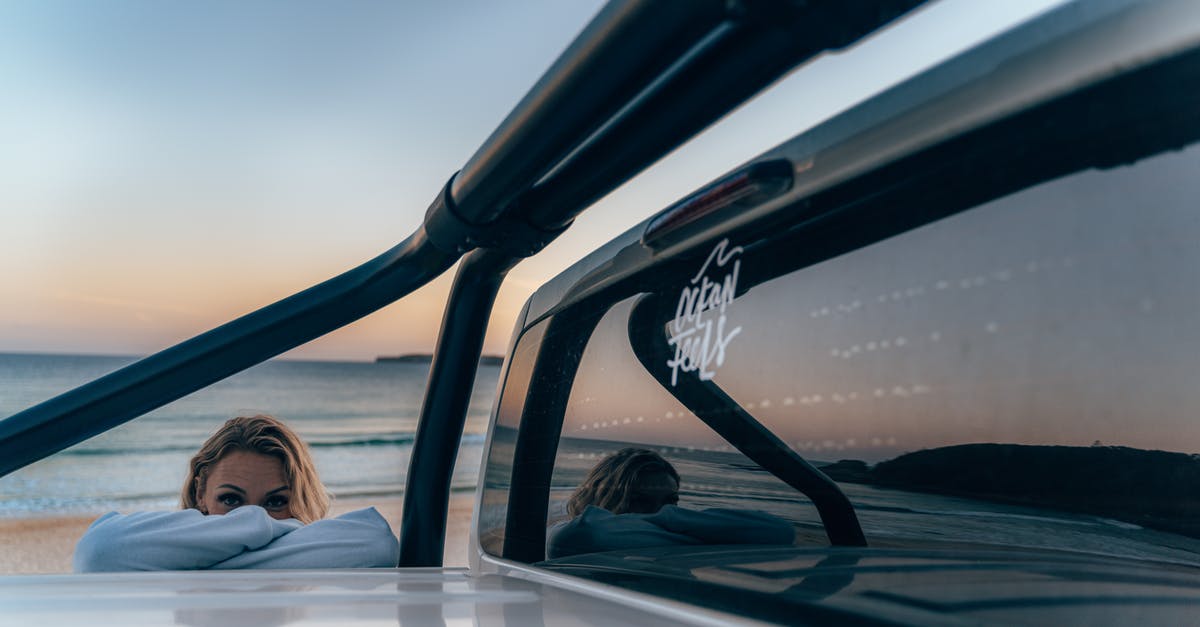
598, 424
1018, 374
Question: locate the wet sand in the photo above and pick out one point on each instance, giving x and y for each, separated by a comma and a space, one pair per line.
44, 545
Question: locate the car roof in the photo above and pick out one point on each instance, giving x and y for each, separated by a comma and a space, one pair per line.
906, 586
330, 597
1052, 54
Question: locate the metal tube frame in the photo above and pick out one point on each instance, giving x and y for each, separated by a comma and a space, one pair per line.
444, 409
145, 385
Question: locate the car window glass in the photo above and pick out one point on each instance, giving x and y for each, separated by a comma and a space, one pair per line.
1014, 375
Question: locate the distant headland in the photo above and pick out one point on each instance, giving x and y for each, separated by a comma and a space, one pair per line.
426, 358
1155, 489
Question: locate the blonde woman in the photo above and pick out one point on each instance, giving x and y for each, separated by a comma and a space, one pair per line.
251, 499
629, 501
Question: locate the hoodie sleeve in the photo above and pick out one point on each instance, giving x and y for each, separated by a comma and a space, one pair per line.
358, 539
598, 530
725, 526
178, 540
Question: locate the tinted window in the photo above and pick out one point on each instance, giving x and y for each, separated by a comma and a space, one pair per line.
1018, 374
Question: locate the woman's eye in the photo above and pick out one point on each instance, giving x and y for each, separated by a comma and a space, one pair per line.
229, 500
276, 502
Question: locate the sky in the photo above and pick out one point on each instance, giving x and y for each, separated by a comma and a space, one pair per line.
166, 167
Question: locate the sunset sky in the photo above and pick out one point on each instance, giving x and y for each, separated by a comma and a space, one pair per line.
165, 167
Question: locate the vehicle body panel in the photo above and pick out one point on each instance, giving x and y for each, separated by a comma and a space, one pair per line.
424, 596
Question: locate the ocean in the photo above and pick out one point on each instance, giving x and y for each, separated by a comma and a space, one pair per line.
359, 419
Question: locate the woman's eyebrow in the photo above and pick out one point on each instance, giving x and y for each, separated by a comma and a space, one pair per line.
231, 487
279, 489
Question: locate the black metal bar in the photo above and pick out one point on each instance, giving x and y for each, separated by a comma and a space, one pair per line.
624, 48
444, 410
735, 62
722, 414
118, 397
553, 377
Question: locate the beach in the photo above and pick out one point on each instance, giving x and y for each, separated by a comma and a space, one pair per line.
358, 418
44, 545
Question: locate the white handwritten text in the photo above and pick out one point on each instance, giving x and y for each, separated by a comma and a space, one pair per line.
700, 340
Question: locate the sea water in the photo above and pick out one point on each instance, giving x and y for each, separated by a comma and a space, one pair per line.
359, 419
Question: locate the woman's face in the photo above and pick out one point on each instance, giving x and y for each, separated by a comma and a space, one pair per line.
246, 478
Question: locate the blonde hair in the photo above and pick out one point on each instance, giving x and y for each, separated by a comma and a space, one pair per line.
266, 435
611, 483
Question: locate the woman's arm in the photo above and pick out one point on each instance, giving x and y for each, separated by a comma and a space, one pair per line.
598, 530
179, 540
359, 539
725, 526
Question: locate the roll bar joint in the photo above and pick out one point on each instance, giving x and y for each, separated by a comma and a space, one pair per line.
509, 234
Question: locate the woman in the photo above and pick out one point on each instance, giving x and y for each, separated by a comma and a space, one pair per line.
628, 501
631, 480
251, 499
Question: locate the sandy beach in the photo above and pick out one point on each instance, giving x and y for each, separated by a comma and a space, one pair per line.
44, 545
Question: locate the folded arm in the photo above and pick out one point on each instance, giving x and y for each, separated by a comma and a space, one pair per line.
178, 540
598, 530
359, 539
725, 526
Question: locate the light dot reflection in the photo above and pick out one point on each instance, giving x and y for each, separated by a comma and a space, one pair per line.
968, 282
876, 345
823, 449
840, 397
875, 392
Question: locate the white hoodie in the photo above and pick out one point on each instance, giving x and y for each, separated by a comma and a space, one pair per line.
246, 537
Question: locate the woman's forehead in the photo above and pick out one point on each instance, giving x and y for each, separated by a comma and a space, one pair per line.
240, 467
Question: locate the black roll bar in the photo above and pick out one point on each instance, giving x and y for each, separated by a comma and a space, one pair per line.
722, 414
760, 42
557, 362
621, 51
444, 409
152, 382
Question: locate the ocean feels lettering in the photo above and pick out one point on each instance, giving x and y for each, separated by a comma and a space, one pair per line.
698, 333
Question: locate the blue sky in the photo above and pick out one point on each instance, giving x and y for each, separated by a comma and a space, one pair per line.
165, 167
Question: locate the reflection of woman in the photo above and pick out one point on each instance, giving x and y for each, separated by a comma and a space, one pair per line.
252, 499
628, 501
631, 480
